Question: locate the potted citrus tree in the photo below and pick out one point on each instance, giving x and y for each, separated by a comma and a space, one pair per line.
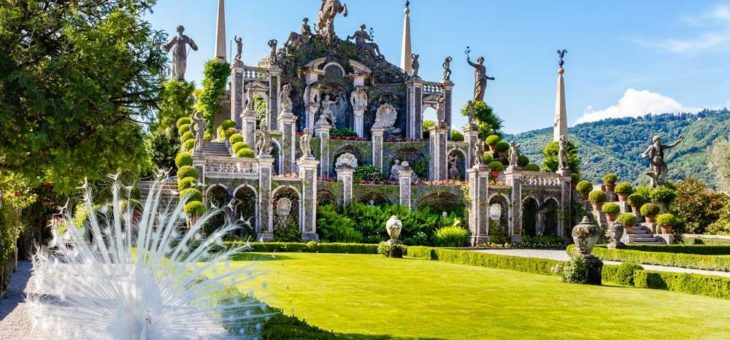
609, 182
636, 201
611, 210
492, 141
597, 198
629, 220
666, 222
497, 167
663, 196
584, 188
623, 190
649, 211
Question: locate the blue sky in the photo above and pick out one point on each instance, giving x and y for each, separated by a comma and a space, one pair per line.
624, 57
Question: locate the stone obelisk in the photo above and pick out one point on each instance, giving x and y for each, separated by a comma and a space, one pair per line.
560, 128
220, 32
405, 57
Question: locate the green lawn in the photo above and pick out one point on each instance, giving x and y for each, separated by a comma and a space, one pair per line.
369, 295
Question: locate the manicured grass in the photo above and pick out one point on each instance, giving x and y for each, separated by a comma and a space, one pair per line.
364, 296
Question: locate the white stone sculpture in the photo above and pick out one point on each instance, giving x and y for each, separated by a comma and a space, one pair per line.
285, 99
178, 45
394, 227
283, 207
198, 129
346, 160
359, 102
305, 143
385, 117
394, 170
454, 172
327, 109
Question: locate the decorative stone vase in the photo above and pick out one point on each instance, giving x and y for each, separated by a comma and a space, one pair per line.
622, 197
616, 232
611, 217
585, 235
666, 230
597, 206
650, 218
609, 186
393, 227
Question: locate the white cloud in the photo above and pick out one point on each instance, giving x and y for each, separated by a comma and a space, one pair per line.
717, 33
635, 103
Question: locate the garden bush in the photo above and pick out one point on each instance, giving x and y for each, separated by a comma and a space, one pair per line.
597, 196
183, 121
186, 171
502, 146
181, 129
457, 136
496, 166
636, 200
693, 261
245, 153
487, 157
183, 159
542, 242
367, 173
522, 264
622, 274
707, 285
644, 191
610, 178
309, 247
451, 236
335, 227
238, 146
623, 188
523, 161
339, 133
187, 135
574, 271
281, 326
649, 209
611, 208
492, 140
191, 194
627, 219
682, 248
188, 145
287, 233
237, 138
584, 187
666, 220
663, 194
186, 183
532, 167
194, 208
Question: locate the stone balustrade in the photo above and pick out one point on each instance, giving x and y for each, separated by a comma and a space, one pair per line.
230, 167
430, 87
541, 179
255, 73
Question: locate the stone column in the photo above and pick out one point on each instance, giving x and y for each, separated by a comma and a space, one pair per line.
471, 136
237, 95
377, 137
514, 180
287, 127
248, 120
308, 219
344, 176
566, 202
273, 106
448, 87
404, 181
323, 132
265, 221
479, 204
438, 163
414, 108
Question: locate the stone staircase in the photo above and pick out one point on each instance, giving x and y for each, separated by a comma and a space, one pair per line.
169, 191
643, 235
215, 149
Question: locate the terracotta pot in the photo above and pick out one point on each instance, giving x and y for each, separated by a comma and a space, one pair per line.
609, 186
650, 218
629, 229
622, 197
611, 217
495, 174
666, 229
597, 206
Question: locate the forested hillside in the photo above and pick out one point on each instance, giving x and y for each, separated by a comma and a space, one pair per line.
615, 145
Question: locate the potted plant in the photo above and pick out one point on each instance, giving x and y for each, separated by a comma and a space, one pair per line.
597, 198
635, 201
666, 222
663, 196
497, 167
629, 220
487, 157
502, 148
492, 141
584, 188
623, 190
609, 182
649, 211
611, 210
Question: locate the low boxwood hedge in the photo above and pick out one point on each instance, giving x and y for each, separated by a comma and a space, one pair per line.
473, 258
713, 286
693, 261
622, 274
309, 247
682, 249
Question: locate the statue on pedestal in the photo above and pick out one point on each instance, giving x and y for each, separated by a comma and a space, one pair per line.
359, 100
198, 129
364, 42
178, 45
447, 69
311, 98
239, 48
305, 143
477, 153
563, 153
441, 110
285, 99
480, 77
394, 170
514, 154
657, 165
454, 172
326, 18
302, 38
249, 100
385, 118
415, 65
327, 112
272, 55
263, 141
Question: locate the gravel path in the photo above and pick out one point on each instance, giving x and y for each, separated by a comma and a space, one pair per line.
14, 318
561, 255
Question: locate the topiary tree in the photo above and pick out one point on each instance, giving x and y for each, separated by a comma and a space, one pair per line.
636, 200
627, 219
245, 153
487, 157
610, 179
236, 138
187, 171
523, 161
182, 129
649, 209
486, 120
457, 136
502, 147
183, 121
239, 146
492, 140
215, 76
187, 135
666, 220
597, 196
623, 188
191, 194
496, 166
611, 208
188, 145
584, 188
532, 167
186, 183
550, 154
183, 159
194, 209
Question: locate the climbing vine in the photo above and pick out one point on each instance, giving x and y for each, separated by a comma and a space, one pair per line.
215, 76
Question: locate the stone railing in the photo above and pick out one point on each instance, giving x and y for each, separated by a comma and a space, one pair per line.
430, 87
230, 167
255, 73
540, 179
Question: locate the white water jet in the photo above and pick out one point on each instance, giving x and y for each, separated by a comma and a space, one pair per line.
130, 274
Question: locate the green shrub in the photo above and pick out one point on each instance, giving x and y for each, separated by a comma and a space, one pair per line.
636, 200
451, 237
584, 187
184, 121
574, 271
496, 166
192, 194
335, 227
183, 159
188, 145
720, 263
194, 209
468, 257
187, 171
663, 194
611, 208
713, 286
338, 133
227, 124
502, 146
542, 242
597, 196
238, 146
492, 140
644, 191
230, 132
187, 135
288, 233
310, 247
237, 138
181, 129
666, 220
627, 219
396, 250
245, 153
523, 161
610, 178
186, 183
532, 167
487, 157
622, 274
498, 233
367, 173
682, 248
281, 326
649, 209
457, 136
624, 188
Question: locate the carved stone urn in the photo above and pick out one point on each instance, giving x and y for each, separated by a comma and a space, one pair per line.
616, 231
585, 235
393, 227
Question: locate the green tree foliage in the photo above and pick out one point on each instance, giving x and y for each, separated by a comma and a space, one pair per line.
176, 101
75, 77
488, 122
550, 157
697, 206
720, 163
215, 75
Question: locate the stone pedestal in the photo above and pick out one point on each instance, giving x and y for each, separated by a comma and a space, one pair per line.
344, 176
479, 204
404, 182
273, 105
237, 95
265, 221
287, 127
308, 220
566, 201
594, 267
377, 138
358, 124
438, 162
448, 87
414, 108
248, 121
322, 131
514, 180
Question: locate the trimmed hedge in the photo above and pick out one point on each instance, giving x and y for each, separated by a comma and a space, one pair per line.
493, 140
184, 121
532, 167
187, 171
186, 183
611, 208
713, 286
496, 166
623, 188
237, 138
682, 249
628, 219
622, 274
195, 194
309, 247
584, 187
649, 209
610, 178
245, 153
183, 159
692, 261
597, 196
468, 257
502, 146
636, 200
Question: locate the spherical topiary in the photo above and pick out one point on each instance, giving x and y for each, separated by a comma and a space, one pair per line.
636, 200
183, 121
182, 129
187, 171
523, 161
188, 145
487, 157
623, 188
239, 146
584, 187
610, 178
457, 136
496, 166
183, 159
663, 194
237, 138
227, 124
532, 167
194, 209
493, 140
627, 219
597, 196
611, 208
191, 194
187, 135
502, 147
666, 220
649, 209
230, 132
186, 183
245, 153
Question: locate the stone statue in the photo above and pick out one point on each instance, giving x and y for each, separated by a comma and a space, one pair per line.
394, 170
298, 39
327, 109
657, 166
480, 78
454, 172
441, 109
311, 98
249, 100
514, 154
561, 55
178, 45
447, 69
359, 100
470, 112
263, 141
540, 222
385, 117
364, 41
272, 56
563, 153
326, 18
415, 65
477, 153
239, 48
305, 143
198, 129
285, 99
283, 209
346, 160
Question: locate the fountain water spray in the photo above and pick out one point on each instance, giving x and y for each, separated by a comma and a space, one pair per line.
130, 274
